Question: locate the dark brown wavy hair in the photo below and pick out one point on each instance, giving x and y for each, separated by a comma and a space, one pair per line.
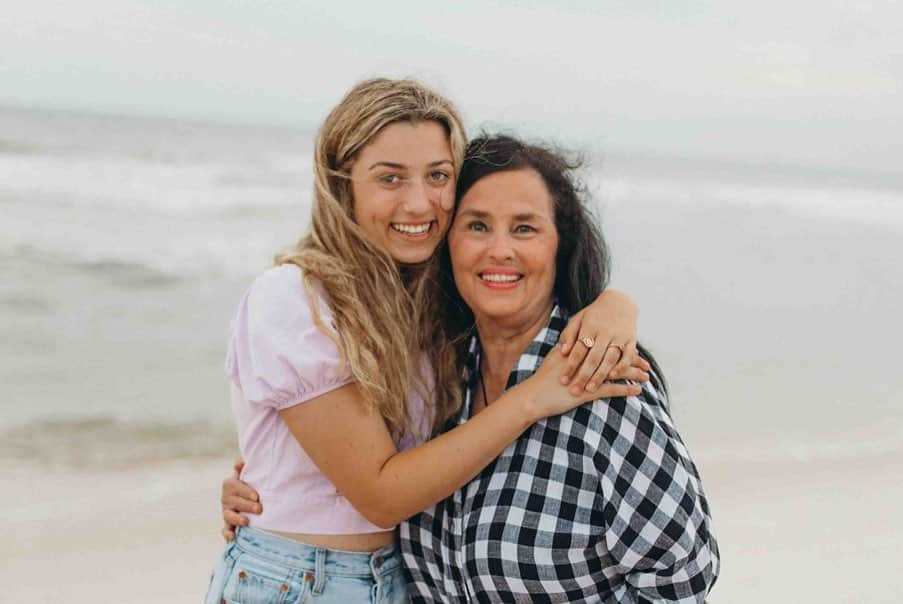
583, 262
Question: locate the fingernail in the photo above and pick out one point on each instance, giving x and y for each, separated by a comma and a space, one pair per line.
591, 386
565, 379
613, 373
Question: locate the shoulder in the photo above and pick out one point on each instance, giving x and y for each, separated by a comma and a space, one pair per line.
283, 281
280, 295
279, 353
625, 422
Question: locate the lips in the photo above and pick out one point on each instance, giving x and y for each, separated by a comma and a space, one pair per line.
411, 229
500, 278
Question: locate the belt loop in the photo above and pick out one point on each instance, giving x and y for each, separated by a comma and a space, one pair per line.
375, 563
319, 572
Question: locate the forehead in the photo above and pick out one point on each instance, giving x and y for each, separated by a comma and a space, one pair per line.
408, 143
521, 191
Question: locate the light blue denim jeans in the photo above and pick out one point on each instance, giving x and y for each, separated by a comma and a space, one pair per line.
259, 567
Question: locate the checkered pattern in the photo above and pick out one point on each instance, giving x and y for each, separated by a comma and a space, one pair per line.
601, 504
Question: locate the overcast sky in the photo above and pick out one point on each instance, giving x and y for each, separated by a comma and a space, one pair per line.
799, 81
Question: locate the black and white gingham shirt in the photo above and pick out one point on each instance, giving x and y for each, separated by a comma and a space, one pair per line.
601, 504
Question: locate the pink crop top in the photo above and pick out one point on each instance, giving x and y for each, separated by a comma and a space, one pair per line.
277, 357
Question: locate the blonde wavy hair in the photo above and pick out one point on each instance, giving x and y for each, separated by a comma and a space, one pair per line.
387, 316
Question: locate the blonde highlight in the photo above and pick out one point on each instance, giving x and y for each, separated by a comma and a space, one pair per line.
374, 300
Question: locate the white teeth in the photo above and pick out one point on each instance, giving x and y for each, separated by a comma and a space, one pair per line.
496, 278
411, 229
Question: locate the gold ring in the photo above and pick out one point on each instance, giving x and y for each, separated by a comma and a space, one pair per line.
588, 341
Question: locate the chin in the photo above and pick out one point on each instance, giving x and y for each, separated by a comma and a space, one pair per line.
495, 311
409, 256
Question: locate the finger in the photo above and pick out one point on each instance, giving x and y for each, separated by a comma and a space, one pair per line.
568, 337
594, 358
239, 465
635, 374
228, 533
240, 504
640, 363
629, 353
603, 372
233, 487
233, 518
573, 361
616, 390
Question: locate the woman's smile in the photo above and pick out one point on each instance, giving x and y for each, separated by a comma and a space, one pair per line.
501, 278
503, 244
412, 232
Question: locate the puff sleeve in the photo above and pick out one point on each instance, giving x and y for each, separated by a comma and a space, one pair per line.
276, 355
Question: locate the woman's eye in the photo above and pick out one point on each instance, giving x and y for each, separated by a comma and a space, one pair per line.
524, 228
439, 177
477, 226
390, 179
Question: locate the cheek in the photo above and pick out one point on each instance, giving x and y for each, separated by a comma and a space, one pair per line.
455, 252
369, 203
461, 258
543, 261
358, 201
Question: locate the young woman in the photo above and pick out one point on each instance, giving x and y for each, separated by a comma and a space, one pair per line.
341, 366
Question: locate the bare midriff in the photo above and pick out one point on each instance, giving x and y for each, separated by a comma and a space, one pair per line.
366, 542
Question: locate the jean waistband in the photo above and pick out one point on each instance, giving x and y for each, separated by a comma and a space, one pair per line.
316, 559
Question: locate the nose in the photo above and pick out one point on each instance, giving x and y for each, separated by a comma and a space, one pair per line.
500, 248
418, 198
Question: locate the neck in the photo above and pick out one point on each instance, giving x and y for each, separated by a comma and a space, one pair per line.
503, 344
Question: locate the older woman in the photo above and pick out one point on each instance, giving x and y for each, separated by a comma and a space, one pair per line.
600, 504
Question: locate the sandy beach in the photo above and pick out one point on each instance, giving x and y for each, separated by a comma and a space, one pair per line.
800, 532
146, 534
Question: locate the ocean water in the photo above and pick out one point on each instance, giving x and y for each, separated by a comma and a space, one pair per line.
770, 293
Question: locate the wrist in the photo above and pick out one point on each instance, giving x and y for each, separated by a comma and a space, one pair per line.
529, 406
624, 302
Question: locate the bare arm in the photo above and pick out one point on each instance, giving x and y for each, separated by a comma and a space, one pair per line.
354, 449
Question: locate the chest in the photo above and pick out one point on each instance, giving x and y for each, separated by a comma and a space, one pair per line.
531, 522
542, 485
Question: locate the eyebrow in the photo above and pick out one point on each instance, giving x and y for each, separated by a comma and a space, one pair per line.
527, 217
397, 166
523, 217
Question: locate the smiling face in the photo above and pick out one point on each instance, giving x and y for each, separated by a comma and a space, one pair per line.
401, 182
503, 245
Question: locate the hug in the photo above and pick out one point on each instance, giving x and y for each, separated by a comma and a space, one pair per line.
437, 397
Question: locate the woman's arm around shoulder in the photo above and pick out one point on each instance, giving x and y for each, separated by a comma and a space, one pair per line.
353, 448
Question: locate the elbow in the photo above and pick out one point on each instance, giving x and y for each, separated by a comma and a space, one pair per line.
383, 516
383, 520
